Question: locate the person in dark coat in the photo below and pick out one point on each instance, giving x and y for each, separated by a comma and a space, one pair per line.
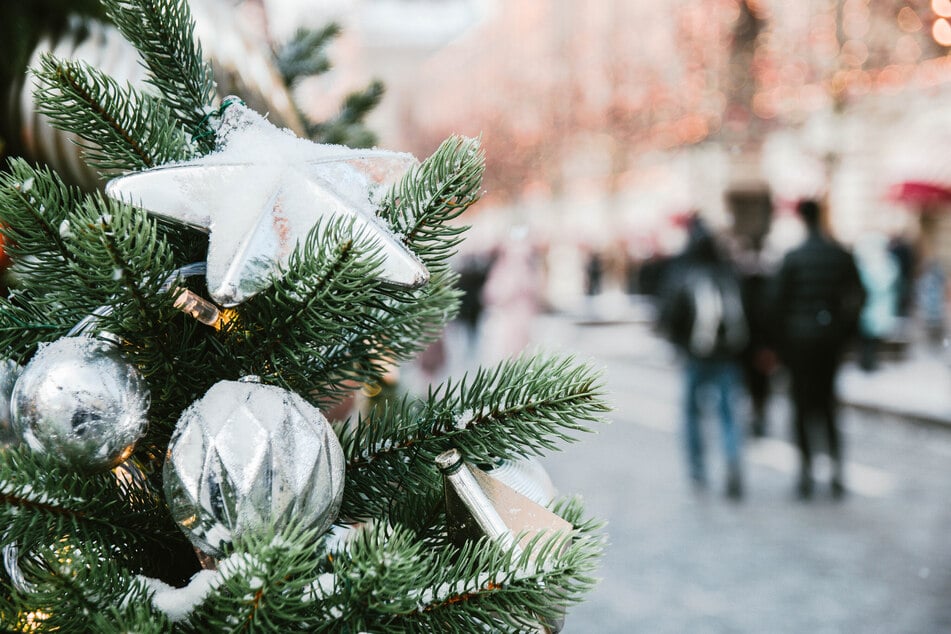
472, 276
701, 313
758, 360
818, 297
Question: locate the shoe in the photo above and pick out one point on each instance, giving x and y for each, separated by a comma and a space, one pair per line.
838, 489
734, 485
804, 488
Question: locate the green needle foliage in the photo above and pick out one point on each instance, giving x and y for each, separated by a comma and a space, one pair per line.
120, 127
99, 551
346, 127
306, 54
164, 34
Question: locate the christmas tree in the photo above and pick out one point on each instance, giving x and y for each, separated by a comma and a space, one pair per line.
168, 347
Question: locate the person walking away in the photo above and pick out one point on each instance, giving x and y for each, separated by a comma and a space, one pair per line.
702, 314
758, 359
819, 296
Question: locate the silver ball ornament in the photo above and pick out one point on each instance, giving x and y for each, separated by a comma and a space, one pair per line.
9, 371
79, 399
248, 455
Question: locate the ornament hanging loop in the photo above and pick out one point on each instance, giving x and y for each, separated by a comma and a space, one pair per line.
204, 130
11, 563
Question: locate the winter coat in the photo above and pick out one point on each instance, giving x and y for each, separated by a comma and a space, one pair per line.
818, 296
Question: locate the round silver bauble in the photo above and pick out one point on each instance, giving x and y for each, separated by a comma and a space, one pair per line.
79, 399
246, 456
9, 371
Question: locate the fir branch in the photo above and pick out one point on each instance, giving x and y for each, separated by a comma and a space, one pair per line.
122, 255
124, 258
262, 585
134, 614
305, 54
385, 580
520, 408
76, 585
346, 127
120, 128
74, 253
326, 324
326, 295
42, 500
179, 357
424, 204
347, 338
163, 32
419, 317
23, 326
33, 206
397, 331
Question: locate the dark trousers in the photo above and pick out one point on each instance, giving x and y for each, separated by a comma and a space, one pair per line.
812, 373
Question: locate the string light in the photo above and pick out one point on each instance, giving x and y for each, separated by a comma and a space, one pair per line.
33, 621
198, 307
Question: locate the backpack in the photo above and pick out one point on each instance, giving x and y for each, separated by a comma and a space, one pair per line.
719, 327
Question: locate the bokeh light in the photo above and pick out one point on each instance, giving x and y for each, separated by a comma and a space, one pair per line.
941, 31
941, 8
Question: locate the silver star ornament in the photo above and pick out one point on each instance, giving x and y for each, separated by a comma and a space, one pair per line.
262, 192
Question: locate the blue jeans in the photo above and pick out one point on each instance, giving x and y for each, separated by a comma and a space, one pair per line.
722, 377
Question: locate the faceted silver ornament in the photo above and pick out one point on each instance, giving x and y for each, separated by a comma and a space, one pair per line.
261, 194
80, 400
247, 455
9, 371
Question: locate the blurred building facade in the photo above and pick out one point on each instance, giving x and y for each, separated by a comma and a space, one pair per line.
604, 123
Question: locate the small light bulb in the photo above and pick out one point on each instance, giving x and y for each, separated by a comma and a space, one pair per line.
198, 307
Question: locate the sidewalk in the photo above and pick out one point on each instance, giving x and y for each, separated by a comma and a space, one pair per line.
916, 387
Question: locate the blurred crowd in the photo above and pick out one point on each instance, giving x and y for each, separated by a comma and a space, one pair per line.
744, 325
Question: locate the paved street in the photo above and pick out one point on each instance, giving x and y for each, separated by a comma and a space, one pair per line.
682, 561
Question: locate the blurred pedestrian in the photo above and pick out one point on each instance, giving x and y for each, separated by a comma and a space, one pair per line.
904, 253
511, 298
473, 272
818, 297
880, 273
932, 303
702, 314
594, 272
758, 359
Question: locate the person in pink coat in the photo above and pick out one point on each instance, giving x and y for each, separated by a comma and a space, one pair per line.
511, 297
